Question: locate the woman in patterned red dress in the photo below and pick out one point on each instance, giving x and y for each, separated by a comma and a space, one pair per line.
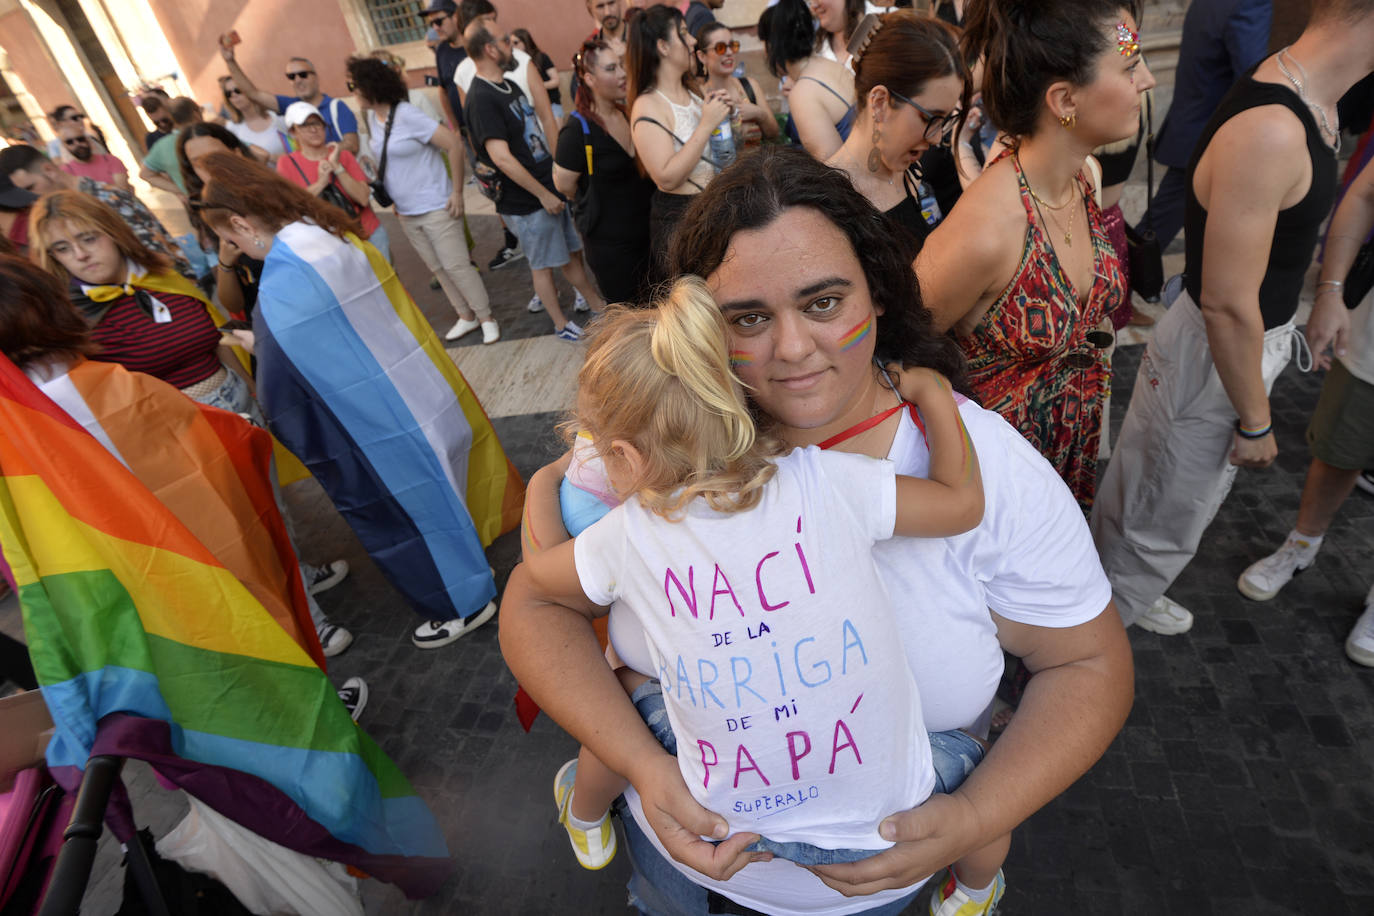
1022, 270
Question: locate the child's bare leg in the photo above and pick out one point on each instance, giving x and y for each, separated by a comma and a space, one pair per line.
597, 785
979, 868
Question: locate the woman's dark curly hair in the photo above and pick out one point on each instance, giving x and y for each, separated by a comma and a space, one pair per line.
375, 82
764, 183
205, 129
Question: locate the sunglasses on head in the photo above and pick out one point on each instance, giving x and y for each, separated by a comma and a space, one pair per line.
721, 47
298, 74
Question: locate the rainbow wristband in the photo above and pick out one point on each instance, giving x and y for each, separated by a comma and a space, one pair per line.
1260, 433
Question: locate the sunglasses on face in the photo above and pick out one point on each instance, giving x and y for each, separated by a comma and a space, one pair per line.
939, 127
434, 23
298, 74
76, 141
234, 91
721, 47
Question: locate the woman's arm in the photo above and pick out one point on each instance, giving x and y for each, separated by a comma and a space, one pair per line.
541, 527
356, 188
227, 288
963, 264
759, 112
951, 501
668, 167
551, 76
452, 147
1080, 691
816, 109
1329, 325
565, 180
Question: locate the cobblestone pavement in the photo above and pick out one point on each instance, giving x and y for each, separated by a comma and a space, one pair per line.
1241, 783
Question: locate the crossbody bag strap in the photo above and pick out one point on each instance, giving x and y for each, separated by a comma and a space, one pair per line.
665, 129
386, 137
1149, 156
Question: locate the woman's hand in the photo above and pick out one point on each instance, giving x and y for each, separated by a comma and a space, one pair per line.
455, 204
229, 253
327, 166
716, 108
1329, 326
334, 151
681, 823
930, 836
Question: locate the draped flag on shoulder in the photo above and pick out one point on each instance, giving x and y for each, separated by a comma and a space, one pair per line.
354, 381
167, 620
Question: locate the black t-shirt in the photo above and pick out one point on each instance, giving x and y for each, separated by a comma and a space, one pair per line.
612, 203
545, 64
446, 61
503, 113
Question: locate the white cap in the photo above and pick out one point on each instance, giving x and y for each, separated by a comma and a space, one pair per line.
297, 113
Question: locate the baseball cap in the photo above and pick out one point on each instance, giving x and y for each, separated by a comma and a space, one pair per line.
14, 198
297, 113
441, 6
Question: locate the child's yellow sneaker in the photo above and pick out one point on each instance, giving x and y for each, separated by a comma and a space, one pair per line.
594, 847
950, 900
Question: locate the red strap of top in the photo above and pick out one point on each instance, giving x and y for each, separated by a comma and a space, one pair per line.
864, 426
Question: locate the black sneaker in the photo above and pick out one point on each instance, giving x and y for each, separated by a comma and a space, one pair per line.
353, 694
1366, 481
323, 578
505, 256
433, 634
333, 639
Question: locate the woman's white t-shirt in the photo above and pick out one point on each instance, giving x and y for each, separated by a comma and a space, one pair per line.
777, 648
272, 138
416, 176
1031, 561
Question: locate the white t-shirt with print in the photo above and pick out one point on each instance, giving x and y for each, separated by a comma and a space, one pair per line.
777, 649
1031, 560
416, 177
520, 76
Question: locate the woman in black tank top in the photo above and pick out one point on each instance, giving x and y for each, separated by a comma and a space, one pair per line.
1295, 231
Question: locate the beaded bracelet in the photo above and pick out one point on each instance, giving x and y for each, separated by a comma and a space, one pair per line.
1260, 433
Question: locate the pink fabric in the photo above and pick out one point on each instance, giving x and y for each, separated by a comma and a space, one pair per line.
102, 167
1115, 223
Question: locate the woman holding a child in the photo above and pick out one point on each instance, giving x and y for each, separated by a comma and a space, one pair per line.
812, 295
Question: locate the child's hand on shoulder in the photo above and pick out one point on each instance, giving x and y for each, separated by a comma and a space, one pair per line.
919, 384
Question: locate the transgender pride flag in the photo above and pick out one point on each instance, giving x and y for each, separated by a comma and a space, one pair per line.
355, 383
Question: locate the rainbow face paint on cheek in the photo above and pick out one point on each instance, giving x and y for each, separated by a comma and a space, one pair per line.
856, 333
1127, 42
741, 357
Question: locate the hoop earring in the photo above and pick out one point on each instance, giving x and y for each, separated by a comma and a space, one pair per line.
875, 159
1069, 121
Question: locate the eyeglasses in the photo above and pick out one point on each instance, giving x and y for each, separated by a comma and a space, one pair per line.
939, 128
721, 47
1086, 359
299, 74
76, 141
313, 123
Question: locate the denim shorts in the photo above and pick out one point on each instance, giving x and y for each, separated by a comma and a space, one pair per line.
953, 753
548, 240
235, 396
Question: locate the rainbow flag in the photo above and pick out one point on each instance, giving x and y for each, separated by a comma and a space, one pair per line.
167, 622
353, 380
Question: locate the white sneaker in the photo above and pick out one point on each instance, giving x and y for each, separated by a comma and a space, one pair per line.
1264, 579
464, 326
491, 332
536, 305
1359, 645
1166, 617
580, 302
1366, 481
333, 639
435, 633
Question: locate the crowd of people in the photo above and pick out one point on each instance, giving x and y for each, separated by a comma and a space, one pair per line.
876, 320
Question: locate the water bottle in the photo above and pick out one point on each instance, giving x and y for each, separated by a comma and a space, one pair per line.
930, 206
722, 145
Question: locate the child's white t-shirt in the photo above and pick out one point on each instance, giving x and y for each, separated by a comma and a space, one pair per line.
778, 650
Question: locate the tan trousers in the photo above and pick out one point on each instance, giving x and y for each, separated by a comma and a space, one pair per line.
438, 239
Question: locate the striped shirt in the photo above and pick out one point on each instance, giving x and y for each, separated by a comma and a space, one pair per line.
181, 352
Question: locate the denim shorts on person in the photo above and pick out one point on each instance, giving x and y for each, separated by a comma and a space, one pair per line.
548, 240
954, 754
235, 396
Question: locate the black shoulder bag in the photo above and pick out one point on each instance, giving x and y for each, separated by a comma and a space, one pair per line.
332, 193
379, 184
1146, 257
